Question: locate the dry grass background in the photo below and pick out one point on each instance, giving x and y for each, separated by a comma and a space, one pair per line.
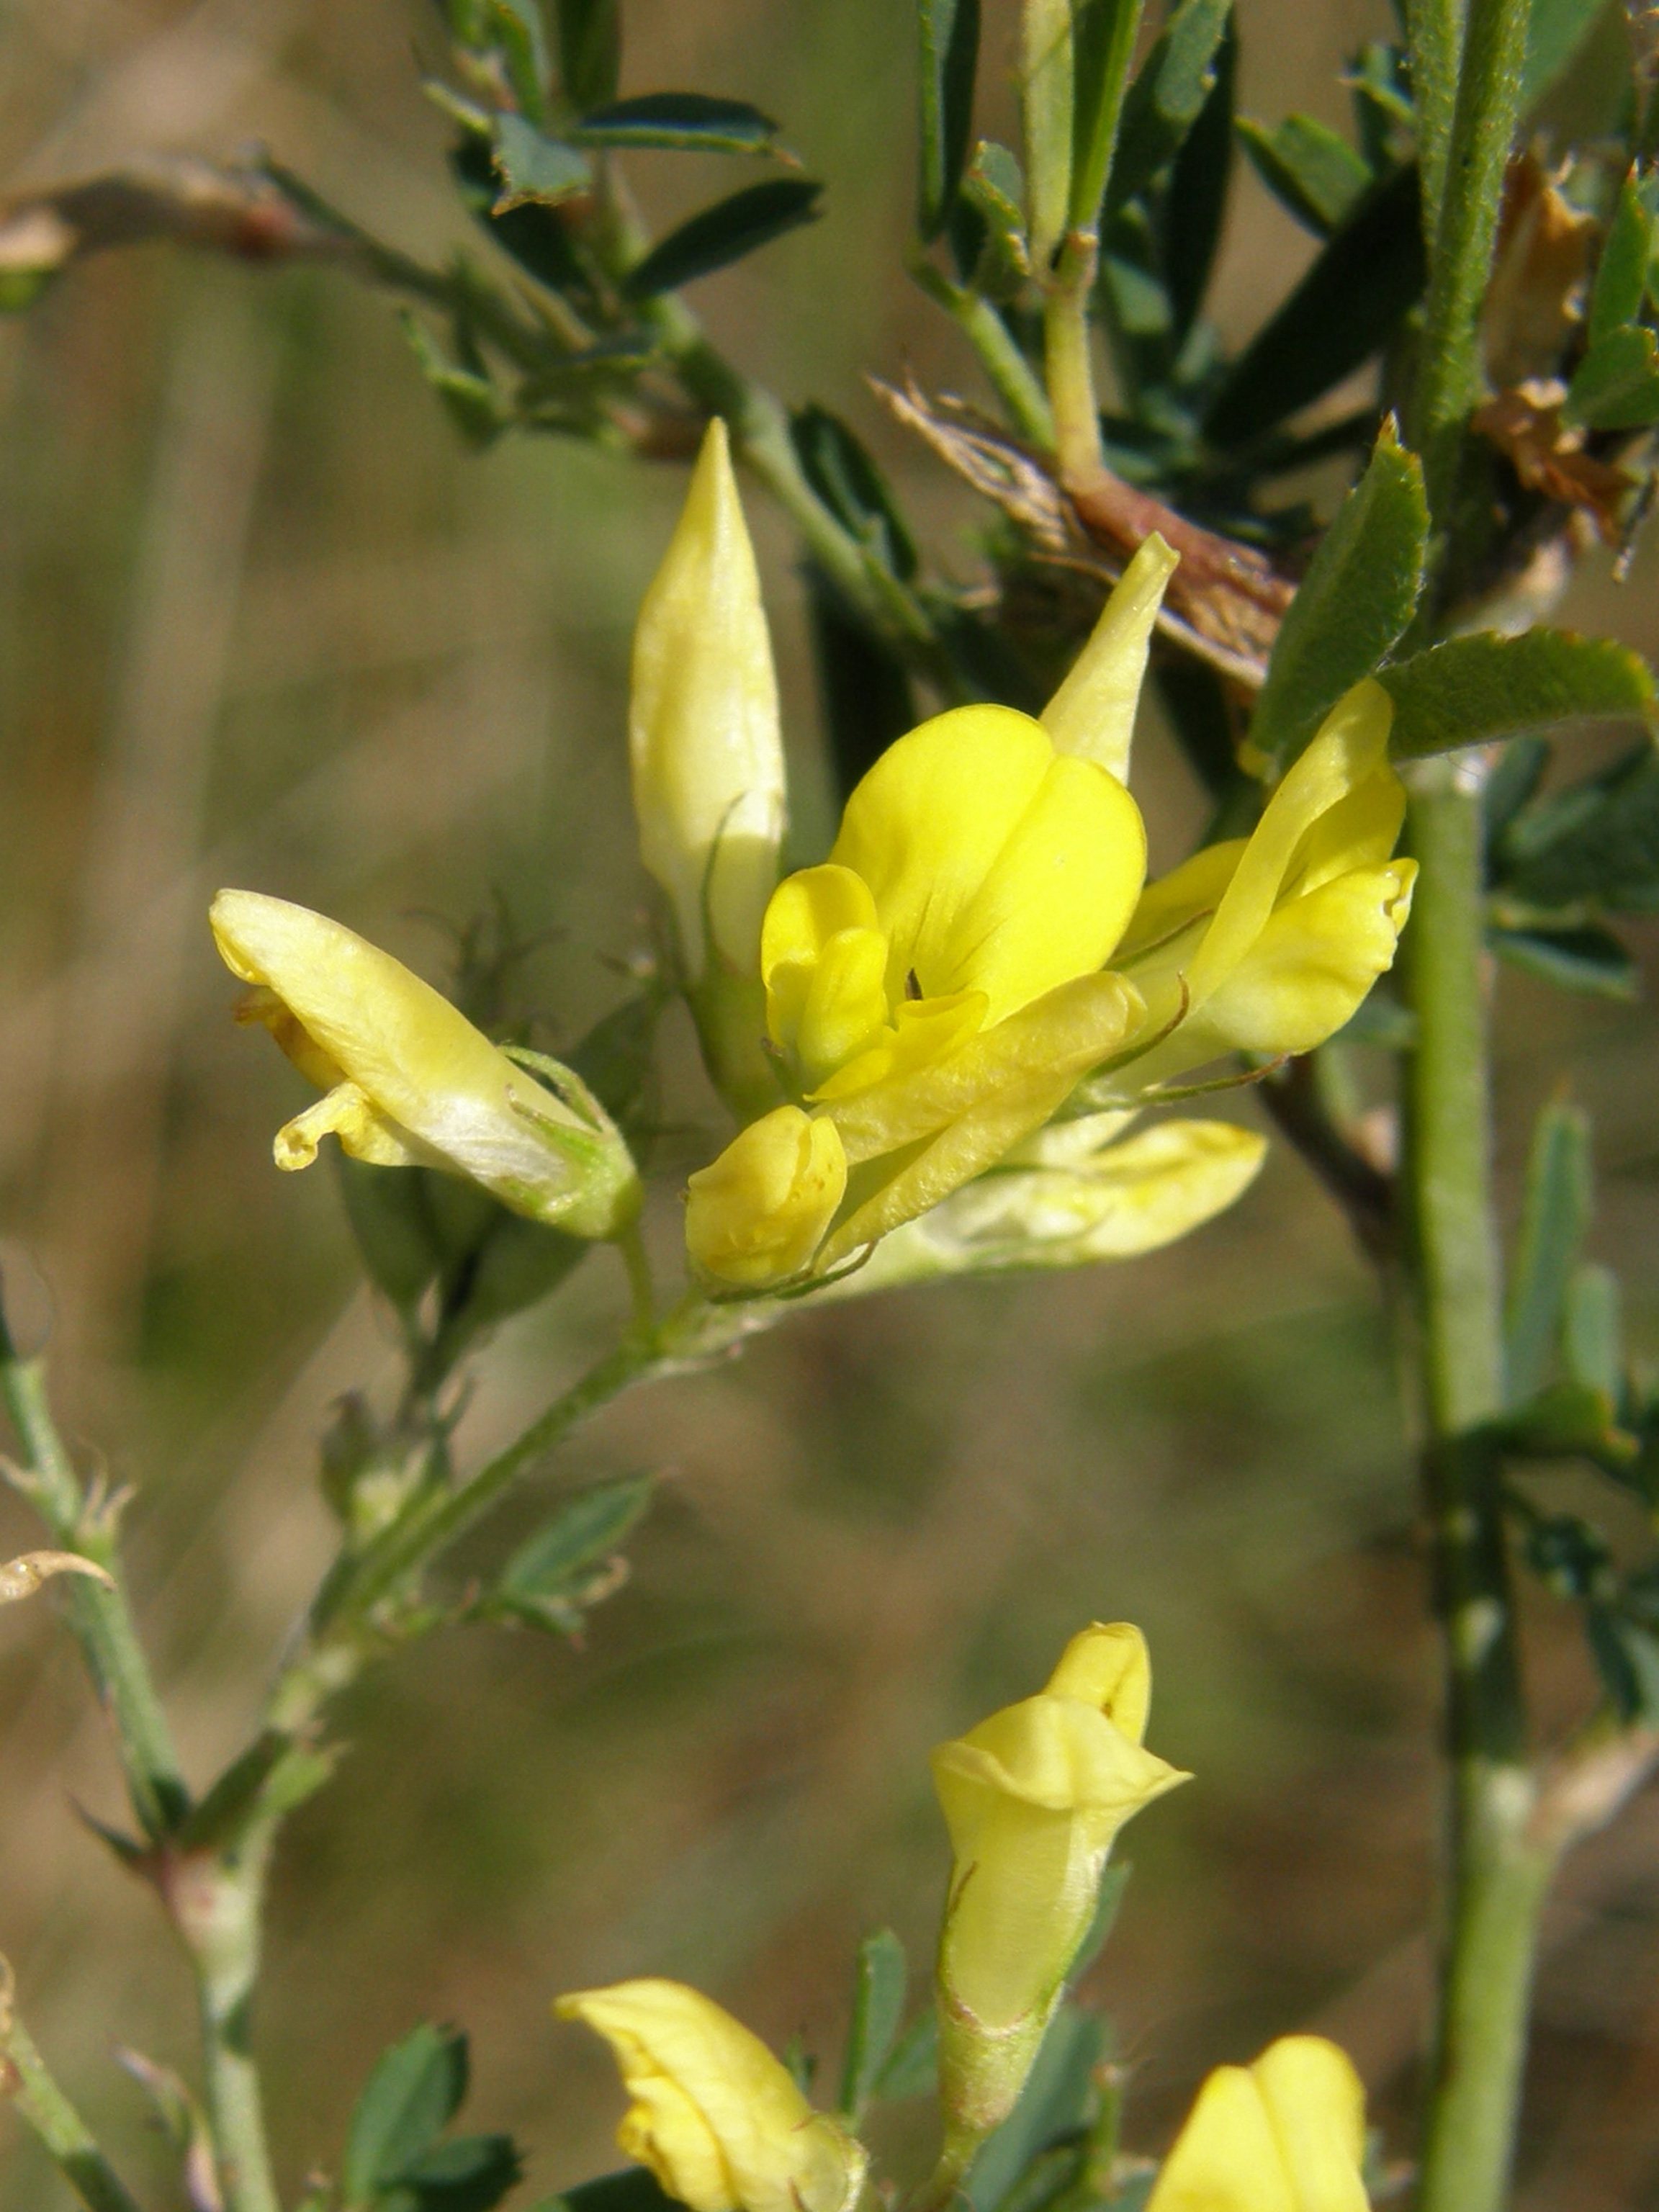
261, 622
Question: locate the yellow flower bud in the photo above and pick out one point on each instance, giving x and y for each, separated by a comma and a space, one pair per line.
1109, 1197
1093, 712
1033, 1798
758, 1214
410, 1081
1285, 2135
716, 2117
707, 756
1268, 944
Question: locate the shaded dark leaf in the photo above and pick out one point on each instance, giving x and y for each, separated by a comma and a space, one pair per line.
632, 2190
1308, 168
950, 62
590, 49
1196, 205
1555, 1216
1168, 93
1616, 386
842, 471
865, 686
1621, 274
471, 2174
912, 2070
1595, 844
877, 2007
689, 120
725, 232
1344, 310
1584, 958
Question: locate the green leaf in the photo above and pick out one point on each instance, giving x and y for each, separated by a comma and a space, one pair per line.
1567, 1420
1379, 80
590, 49
1167, 96
1103, 34
545, 1580
863, 683
392, 1226
1054, 2099
1195, 204
416, 2090
1616, 386
1515, 778
1345, 309
1308, 168
1627, 1659
1486, 689
723, 234
1354, 603
473, 2173
1621, 274
533, 168
877, 2007
688, 120
1555, 1216
518, 30
995, 189
1583, 959
1594, 845
632, 2190
1555, 31
913, 2069
535, 236
950, 62
1592, 1332
840, 470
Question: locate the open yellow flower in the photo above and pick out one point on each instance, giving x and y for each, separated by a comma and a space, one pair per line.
1284, 2135
1033, 1798
1270, 942
717, 2119
409, 1081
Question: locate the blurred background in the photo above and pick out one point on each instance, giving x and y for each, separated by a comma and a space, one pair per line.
263, 622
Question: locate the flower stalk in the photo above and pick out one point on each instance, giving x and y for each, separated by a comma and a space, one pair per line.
28, 2086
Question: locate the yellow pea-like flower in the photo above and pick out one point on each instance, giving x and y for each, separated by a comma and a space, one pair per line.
718, 2120
1033, 1798
758, 1214
1286, 2134
706, 751
1268, 944
409, 1081
938, 987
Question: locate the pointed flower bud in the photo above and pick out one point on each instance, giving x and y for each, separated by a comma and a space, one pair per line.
718, 2120
706, 756
1268, 944
1284, 2135
409, 1081
1033, 1798
1093, 712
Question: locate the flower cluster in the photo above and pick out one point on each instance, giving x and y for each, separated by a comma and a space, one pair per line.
1033, 1798
934, 1039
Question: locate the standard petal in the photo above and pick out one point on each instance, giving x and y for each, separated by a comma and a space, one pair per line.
995, 865
1092, 714
1316, 2103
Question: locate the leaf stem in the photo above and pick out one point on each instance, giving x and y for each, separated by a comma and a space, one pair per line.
1069, 360
27, 2086
1012, 376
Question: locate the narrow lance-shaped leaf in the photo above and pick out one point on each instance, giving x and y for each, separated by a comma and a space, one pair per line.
691, 121
416, 2088
1621, 274
1594, 845
1308, 168
1344, 310
1164, 102
1046, 59
1555, 31
1103, 44
877, 2007
1354, 604
1616, 386
949, 61
518, 28
1195, 204
1486, 689
1555, 1216
724, 234
1586, 958
590, 49
473, 2173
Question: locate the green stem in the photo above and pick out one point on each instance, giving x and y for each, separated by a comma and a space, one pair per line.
216, 1904
1498, 1876
1483, 123
1011, 375
1069, 362
28, 2086
99, 1617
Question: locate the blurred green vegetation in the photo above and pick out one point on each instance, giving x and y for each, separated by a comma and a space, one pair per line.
262, 621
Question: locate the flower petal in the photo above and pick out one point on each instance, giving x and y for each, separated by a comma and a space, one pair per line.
1092, 714
1316, 2103
759, 1213
1315, 960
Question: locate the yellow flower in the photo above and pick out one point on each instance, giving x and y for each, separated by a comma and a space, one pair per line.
707, 756
1033, 1798
1275, 939
1075, 1192
935, 989
410, 1081
1285, 2135
758, 1214
716, 2117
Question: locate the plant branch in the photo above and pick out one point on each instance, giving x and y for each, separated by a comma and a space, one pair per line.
1069, 359
1011, 375
99, 1616
217, 1902
27, 2086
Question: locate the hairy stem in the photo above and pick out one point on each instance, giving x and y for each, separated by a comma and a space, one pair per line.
1497, 1874
1069, 360
216, 1904
1022, 397
28, 2086
98, 1615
